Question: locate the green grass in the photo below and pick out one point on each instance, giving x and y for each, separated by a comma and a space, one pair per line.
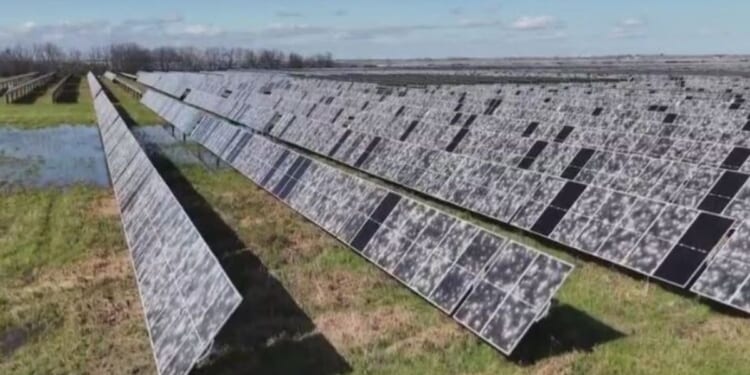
635, 327
140, 114
68, 300
44, 113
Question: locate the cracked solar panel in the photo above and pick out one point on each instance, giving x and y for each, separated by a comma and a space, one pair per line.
185, 293
438, 256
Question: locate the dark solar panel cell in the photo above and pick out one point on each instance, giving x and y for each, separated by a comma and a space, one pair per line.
341, 141
714, 203
548, 221
530, 129
706, 231
736, 158
457, 139
568, 195
729, 184
680, 265
670, 118
408, 131
366, 154
564, 133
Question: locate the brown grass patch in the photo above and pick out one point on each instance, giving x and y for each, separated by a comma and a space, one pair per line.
105, 206
559, 365
349, 330
727, 327
86, 272
332, 289
432, 338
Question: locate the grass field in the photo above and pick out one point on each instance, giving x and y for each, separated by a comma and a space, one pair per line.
68, 302
42, 112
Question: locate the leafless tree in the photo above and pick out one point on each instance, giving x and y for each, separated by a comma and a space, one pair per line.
130, 57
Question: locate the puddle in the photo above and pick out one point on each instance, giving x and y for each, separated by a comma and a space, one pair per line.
59, 156
158, 139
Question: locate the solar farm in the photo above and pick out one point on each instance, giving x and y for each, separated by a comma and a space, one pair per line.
519, 217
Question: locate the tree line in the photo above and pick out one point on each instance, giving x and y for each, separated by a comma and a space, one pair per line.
131, 57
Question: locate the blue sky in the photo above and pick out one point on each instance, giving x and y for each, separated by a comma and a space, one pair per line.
392, 29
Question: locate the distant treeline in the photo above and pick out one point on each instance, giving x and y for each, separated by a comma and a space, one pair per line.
131, 57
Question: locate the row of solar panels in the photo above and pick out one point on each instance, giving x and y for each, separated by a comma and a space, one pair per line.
185, 293
8, 82
510, 100
713, 187
495, 287
702, 83
664, 239
489, 138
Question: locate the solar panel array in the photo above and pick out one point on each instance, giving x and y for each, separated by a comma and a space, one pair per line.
651, 180
495, 287
185, 293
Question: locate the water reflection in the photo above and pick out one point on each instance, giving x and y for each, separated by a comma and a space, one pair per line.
58, 156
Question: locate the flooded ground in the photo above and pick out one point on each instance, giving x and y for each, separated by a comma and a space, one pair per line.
72, 154
170, 143
59, 156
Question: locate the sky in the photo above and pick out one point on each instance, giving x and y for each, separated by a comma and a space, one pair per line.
389, 28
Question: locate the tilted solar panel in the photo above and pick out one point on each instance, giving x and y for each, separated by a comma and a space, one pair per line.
185, 293
495, 287
649, 187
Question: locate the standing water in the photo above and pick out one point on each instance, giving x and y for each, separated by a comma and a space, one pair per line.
58, 156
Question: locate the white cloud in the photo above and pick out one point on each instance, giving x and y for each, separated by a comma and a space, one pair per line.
534, 23
288, 14
175, 30
202, 30
629, 28
632, 22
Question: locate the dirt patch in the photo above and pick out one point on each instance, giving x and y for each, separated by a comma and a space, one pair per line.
105, 207
560, 365
726, 327
11, 340
332, 289
86, 272
430, 339
111, 311
348, 330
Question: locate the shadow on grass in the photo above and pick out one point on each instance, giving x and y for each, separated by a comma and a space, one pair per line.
33, 96
70, 90
269, 333
564, 330
129, 121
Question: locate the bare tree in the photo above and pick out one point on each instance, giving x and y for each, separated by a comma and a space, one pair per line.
295, 61
130, 57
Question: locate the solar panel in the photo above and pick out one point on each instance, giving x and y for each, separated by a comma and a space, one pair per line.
185, 293
449, 262
444, 177
633, 192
